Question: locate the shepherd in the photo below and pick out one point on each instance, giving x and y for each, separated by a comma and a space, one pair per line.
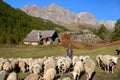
69, 51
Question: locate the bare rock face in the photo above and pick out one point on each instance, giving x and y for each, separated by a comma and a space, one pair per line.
84, 36
108, 24
88, 18
52, 12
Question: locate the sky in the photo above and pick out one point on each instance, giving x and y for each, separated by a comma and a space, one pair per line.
101, 9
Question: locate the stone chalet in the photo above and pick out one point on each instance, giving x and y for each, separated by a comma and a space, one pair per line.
42, 37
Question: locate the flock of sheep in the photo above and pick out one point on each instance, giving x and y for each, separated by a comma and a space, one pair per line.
48, 67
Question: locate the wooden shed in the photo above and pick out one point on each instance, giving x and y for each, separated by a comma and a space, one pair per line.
41, 37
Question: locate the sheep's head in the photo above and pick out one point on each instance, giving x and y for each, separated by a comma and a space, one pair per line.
114, 60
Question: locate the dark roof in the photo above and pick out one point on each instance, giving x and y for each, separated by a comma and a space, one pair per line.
33, 35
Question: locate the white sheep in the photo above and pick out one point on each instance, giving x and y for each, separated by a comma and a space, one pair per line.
32, 76
12, 76
60, 61
99, 61
106, 60
37, 68
78, 68
109, 61
113, 62
22, 65
7, 66
66, 64
50, 74
49, 63
1, 65
30, 63
85, 58
89, 66
81, 58
74, 60
14, 64
3, 75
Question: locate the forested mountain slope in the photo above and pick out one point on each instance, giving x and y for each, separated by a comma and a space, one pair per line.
15, 24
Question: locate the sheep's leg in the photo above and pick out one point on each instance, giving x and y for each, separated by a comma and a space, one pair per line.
30, 69
87, 76
77, 78
59, 71
112, 69
107, 68
98, 64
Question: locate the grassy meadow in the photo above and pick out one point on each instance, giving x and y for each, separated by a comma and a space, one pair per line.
41, 51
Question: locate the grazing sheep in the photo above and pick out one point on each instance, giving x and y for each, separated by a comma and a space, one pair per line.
30, 63
106, 60
12, 76
89, 66
81, 58
37, 68
99, 61
66, 65
3, 75
60, 61
85, 58
49, 75
7, 66
113, 62
78, 68
1, 65
22, 65
14, 64
32, 76
49, 63
74, 60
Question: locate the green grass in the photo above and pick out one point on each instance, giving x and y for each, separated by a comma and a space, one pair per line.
39, 52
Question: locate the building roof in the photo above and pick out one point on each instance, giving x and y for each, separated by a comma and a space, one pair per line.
33, 35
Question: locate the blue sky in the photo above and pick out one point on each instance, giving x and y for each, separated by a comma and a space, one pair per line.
101, 9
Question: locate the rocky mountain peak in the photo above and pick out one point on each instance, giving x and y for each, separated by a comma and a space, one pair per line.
108, 24
53, 5
60, 15
88, 18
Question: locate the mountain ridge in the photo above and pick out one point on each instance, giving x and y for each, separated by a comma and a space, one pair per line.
60, 15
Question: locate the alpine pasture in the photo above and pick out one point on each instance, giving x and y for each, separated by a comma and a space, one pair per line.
41, 51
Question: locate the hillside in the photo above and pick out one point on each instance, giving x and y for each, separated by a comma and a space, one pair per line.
15, 24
